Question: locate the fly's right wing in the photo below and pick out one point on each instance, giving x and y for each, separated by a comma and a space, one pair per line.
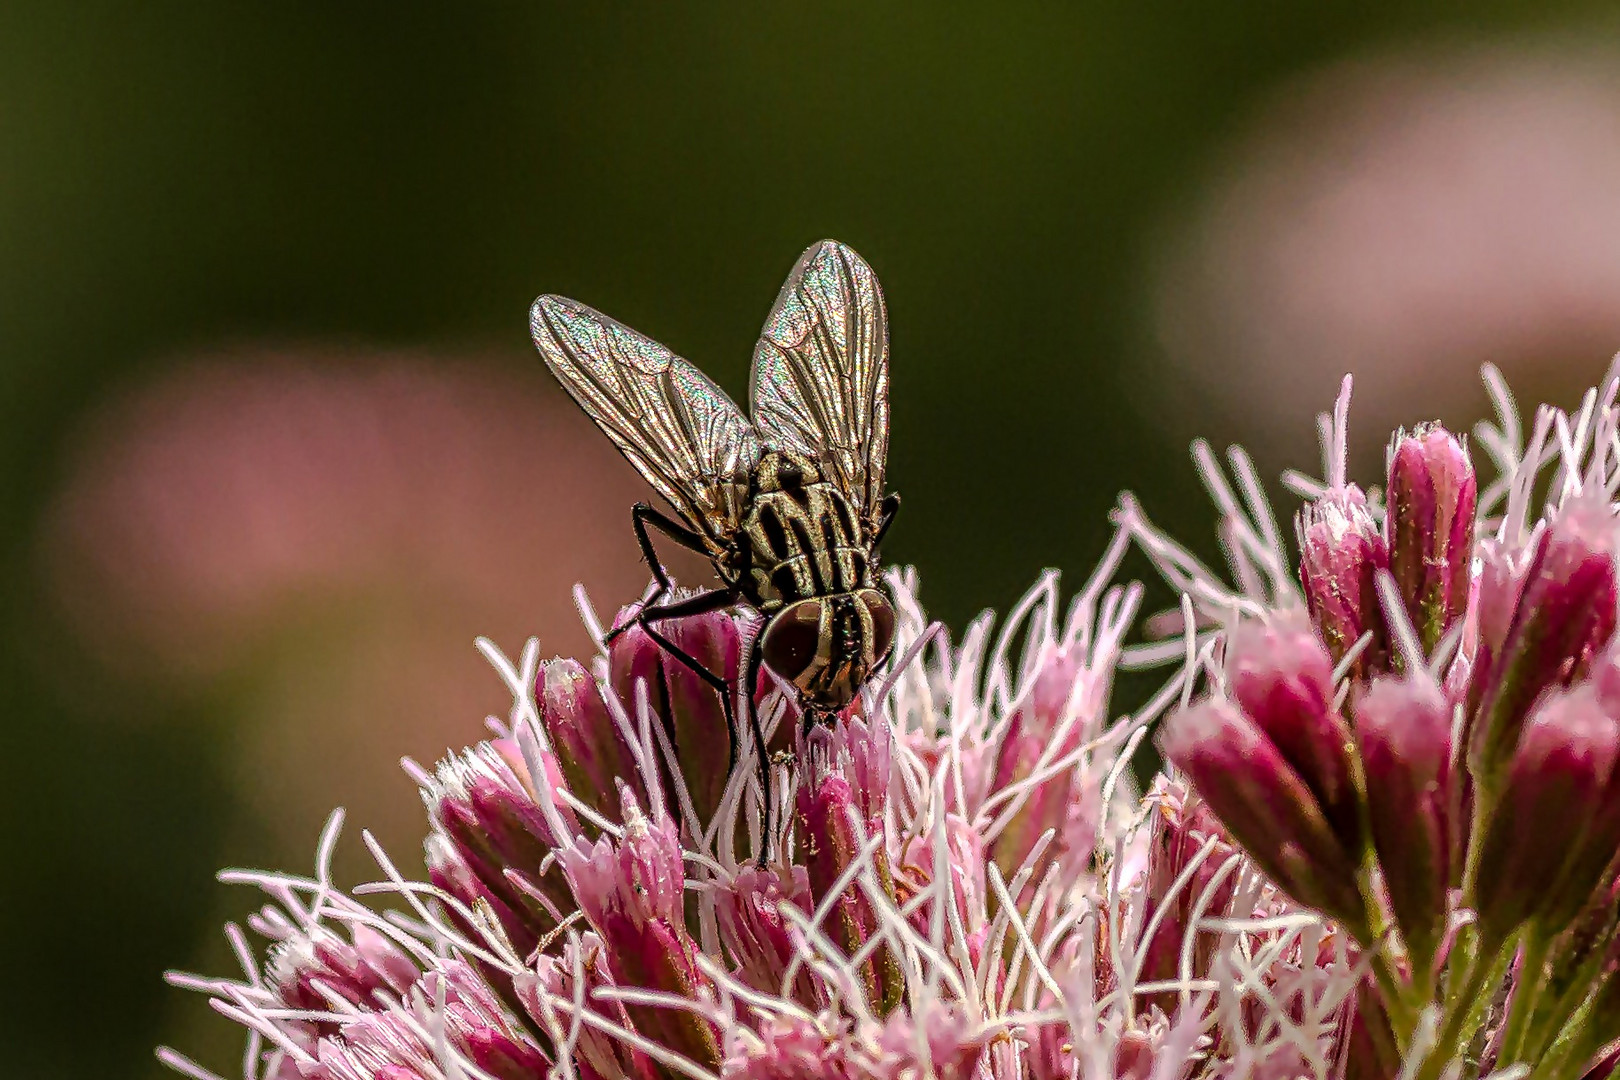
687, 438
821, 372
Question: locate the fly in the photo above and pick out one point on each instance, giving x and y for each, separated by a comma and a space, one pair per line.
788, 503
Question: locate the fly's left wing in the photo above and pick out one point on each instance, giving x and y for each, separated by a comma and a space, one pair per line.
685, 436
821, 371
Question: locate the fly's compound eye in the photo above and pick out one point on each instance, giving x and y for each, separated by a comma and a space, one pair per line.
793, 639
882, 623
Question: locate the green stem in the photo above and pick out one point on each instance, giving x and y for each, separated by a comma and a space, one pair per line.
1466, 1001
1483, 799
1401, 1017
1395, 991
1553, 1018
1526, 994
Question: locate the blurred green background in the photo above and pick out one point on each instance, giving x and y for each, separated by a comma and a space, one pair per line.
190, 186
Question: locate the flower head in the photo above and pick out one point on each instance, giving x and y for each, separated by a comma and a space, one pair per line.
1394, 800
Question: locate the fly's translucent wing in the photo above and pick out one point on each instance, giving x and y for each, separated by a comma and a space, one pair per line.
691, 442
821, 371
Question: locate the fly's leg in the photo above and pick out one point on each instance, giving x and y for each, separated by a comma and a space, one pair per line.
642, 515
700, 604
756, 657
887, 509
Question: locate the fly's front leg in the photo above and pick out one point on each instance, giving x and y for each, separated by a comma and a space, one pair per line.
700, 604
642, 515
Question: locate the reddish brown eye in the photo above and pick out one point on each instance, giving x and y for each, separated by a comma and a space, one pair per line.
792, 640
882, 622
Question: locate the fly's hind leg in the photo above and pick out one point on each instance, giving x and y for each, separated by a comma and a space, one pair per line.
756, 657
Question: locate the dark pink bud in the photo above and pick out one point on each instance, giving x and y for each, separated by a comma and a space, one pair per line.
1563, 616
1134, 1055
1341, 551
314, 971
1404, 727
839, 808
449, 871
691, 710
1540, 827
1064, 703
591, 750
752, 927
632, 891
1265, 806
549, 995
1050, 1054
1429, 524
1182, 827
1604, 1067
475, 1022
1283, 680
1367, 1047
483, 804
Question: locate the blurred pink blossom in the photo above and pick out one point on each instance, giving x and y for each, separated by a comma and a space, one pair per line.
308, 529
1405, 217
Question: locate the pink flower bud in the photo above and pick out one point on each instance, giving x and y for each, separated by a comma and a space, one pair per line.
1563, 616
1134, 1055
840, 807
1605, 1067
312, 971
749, 911
475, 1022
1181, 826
393, 1043
1341, 552
692, 712
482, 803
383, 1045
1539, 829
1367, 1048
1283, 680
632, 891
1066, 699
1429, 524
1404, 727
938, 1041
449, 872
550, 993
791, 1048
1265, 806
965, 863
591, 750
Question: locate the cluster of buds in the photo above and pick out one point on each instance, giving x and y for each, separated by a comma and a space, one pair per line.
959, 881
1423, 742
1389, 845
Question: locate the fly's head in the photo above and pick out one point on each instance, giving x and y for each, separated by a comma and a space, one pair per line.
828, 646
